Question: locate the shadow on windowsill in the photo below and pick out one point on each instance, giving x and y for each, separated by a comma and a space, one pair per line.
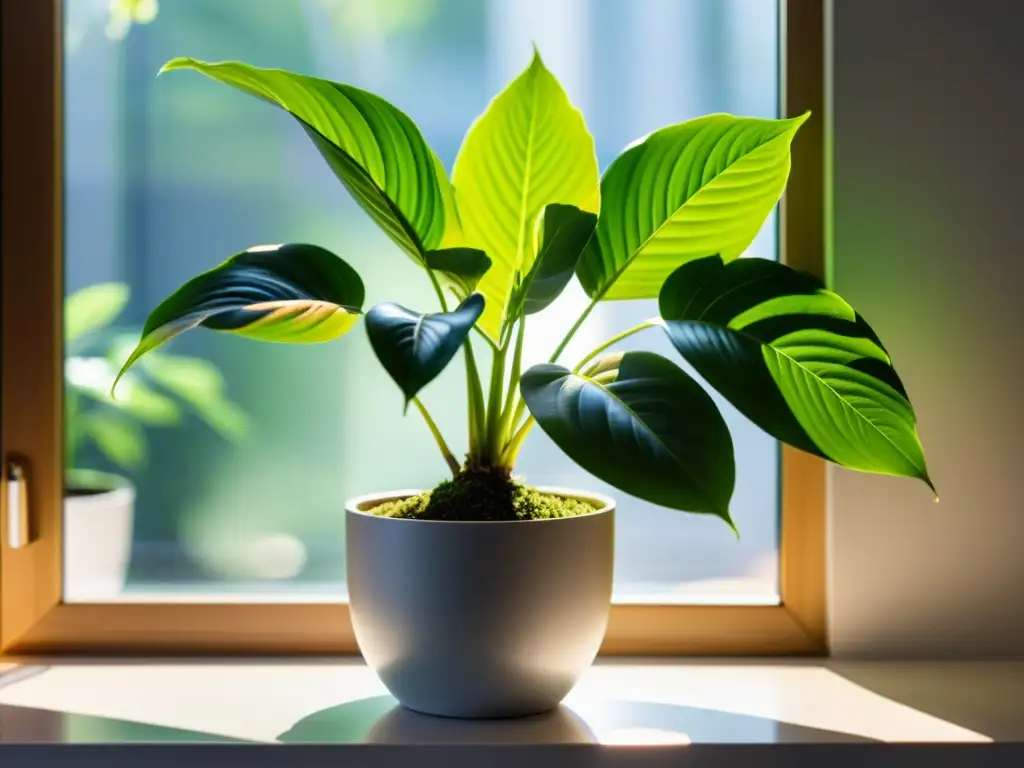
27, 725
380, 720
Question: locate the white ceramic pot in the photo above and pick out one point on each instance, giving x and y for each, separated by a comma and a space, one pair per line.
479, 619
99, 512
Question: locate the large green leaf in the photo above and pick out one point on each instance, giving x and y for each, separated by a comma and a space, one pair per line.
92, 308
796, 359
415, 347
640, 423
374, 149
292, 293
687, 191
563, 231
529, 148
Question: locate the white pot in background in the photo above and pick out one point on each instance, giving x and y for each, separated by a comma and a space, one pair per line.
99, 511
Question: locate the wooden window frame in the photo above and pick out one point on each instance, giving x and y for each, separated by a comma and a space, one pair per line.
34, 621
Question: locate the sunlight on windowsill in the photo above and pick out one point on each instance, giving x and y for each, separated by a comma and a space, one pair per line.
638, 703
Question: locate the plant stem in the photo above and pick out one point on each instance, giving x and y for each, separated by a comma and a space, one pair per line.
493, 436
475, 394
511, 449
512, 398
654, 321
508, 456
449, 458
572, 331
438, 291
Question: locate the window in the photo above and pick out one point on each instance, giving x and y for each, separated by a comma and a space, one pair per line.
231, 505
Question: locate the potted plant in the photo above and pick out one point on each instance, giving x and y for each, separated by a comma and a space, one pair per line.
485, 597
99, 506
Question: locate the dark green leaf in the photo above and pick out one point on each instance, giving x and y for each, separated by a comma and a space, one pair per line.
640, 423
414, 347
796, 359
288, 293
461, 268
374, 149
563, 231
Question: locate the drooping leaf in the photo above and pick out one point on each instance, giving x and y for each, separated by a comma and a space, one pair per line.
374, 149
92, 308
292, 293
640, 423
796, 359
415, 347
563, 231
686, 191
461, 268
529, 148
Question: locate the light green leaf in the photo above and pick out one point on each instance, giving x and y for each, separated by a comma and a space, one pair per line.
94, 376
640, 423
691, 190
200, 384
529, 148
374, 149
120, 439
92, 308
285, 293
796, 359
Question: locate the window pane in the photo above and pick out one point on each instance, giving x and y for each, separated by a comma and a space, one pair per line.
166, 177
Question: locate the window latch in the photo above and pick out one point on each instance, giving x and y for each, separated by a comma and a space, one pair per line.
17, 506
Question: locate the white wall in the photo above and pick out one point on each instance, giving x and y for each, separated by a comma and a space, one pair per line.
929, 246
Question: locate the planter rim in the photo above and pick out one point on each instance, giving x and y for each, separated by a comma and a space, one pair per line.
357, 506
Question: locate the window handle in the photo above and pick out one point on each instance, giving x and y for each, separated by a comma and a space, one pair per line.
17, 506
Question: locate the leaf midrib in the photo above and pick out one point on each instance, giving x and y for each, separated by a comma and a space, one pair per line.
668, 219
524, 198
824, 383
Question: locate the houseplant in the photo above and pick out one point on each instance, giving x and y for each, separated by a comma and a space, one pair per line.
485, 597
99, 506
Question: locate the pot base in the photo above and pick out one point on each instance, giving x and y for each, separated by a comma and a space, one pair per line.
510, 714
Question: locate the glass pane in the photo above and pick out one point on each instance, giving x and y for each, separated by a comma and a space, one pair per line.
235, 457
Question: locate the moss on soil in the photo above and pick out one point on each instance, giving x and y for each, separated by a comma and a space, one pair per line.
483, 496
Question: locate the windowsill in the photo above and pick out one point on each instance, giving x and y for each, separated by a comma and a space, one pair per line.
639, 702
733, 591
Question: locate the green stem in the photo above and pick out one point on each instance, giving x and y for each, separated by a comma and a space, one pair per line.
438, 291
513, 385
508, 456
654, 321
449, 458
493, 437
475, 393
572, 331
